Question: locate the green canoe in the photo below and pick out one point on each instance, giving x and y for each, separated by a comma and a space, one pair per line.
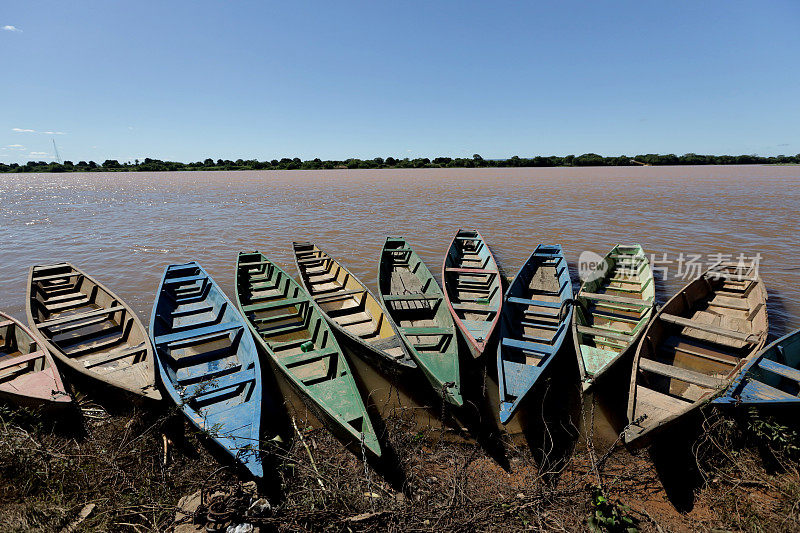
615, 304
415, 302
292, 330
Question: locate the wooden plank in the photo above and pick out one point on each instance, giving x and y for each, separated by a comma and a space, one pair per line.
598, 332
338, 295
310, 260
782, 370
197, 332
616, 299
184, 279
275, 304
708, 328
525, 301
682, 374
14, 361
403, 297
469, 270
425, 330
56, 276
527, 346
80, 316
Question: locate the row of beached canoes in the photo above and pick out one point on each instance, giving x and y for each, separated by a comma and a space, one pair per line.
205, 349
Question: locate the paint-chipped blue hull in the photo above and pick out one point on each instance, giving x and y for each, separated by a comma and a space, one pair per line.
208, 361
532, 325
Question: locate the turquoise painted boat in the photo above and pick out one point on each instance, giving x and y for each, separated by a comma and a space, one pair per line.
614, 305
472, 289
536, 316
414, 300
208, 361
293, 331
772, 378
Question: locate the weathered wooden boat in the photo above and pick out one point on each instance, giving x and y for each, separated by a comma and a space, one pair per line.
771, 378
613, 307
414, 300
352, 310
28, 375
695, 346
291, 328
208, 361
89, 329
472, 290
534, 322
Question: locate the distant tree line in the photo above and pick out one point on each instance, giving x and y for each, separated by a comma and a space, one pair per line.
585, 160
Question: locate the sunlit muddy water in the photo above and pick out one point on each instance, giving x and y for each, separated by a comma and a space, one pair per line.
124, 228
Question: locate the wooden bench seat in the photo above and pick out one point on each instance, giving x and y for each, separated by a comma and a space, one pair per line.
195, 333
682, 374
541, 303
274, 304
636, 302
14, 361
425, 330
481, 271
599, 332
780, 369
80, 316
709, 328
332, 297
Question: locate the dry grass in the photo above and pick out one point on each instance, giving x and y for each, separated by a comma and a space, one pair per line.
739, 479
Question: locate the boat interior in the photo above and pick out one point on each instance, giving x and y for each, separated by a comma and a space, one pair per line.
614, 308
297, 334
202, 343
699, 340
93, 329
416, 306
774, 376
346, 301
19, 353
532, 329
472, 280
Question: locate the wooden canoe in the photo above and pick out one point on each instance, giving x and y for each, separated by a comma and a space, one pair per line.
291, 328
771, 378
208, 361
472, 289
89, 329
695, 347
414, 300
351, 309
536, 316
614, 305
28, 375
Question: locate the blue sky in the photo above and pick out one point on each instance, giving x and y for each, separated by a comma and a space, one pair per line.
189, 80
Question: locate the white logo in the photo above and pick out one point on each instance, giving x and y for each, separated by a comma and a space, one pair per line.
591, 266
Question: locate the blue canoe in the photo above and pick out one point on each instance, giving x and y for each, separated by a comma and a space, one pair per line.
208, 361
771, 378
532, 326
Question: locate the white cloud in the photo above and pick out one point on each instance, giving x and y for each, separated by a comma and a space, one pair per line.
15, 147
38, 153
53, 133
12, 28
23, 130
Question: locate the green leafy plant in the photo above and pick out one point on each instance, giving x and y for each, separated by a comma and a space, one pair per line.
608, 515
778, 437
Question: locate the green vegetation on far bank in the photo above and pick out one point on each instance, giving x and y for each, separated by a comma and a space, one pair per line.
476, 161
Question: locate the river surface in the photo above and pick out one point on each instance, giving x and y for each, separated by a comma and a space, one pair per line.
124, 228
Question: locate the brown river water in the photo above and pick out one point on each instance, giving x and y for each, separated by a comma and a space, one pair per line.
124, 228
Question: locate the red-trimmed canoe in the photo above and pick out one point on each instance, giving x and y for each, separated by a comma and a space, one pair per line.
472, 288
28, 375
